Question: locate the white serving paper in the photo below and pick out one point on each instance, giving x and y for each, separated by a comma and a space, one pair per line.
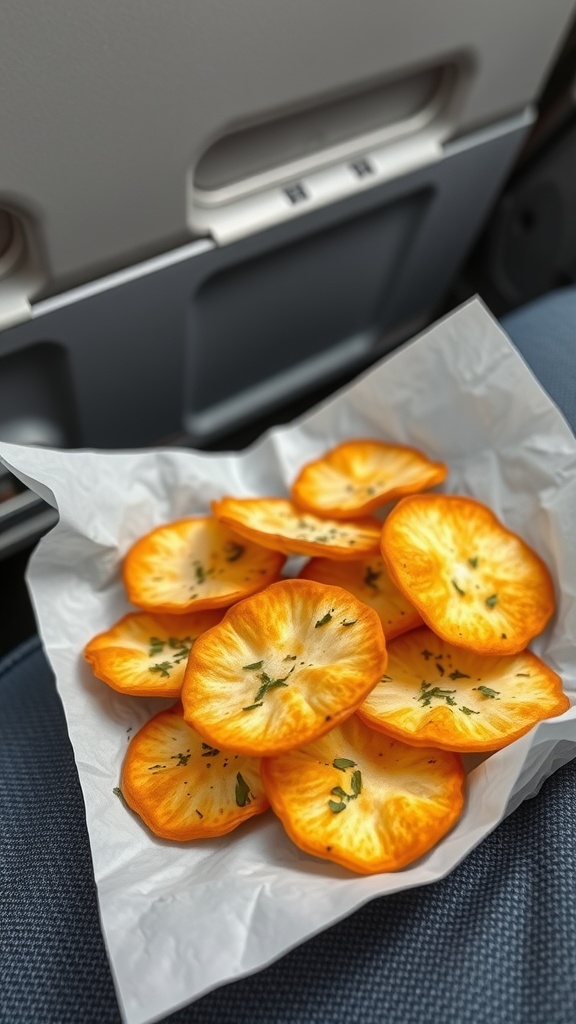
179, 920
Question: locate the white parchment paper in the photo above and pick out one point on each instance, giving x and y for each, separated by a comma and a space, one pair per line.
179, 920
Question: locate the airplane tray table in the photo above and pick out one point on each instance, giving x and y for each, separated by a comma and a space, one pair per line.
491, 942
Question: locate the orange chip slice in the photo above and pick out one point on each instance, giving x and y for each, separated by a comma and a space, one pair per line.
279, 524
437, 694
474, 582
363, 800
145, 655
283, 667
193, 564
183, 788
355, 477
370, 582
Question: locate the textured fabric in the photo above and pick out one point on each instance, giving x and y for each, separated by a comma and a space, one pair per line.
491, 944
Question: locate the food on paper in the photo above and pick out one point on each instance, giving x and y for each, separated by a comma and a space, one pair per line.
195, 564
144, 654
437, 694
283, 667
369, 581
474, 582
363, 800
356, 477
279, 524
182, 787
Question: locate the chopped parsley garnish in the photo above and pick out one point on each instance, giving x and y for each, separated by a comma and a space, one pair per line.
182, 759
473, 562
324, 620
468, 711
371, 577
486, 691
428, 693
344, 798
242, 791
458, 589
233, 551
342, 763
456, 674
492, 600
253, 667
163, 668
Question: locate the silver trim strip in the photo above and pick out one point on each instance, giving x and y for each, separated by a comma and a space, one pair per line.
121, 277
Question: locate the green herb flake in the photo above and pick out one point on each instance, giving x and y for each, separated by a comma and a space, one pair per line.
336, 807
156, 646
428, 693
525, 675
492, 600
348, 622
468, 711
290, 657
371, 577
456, 674
242, 791
486, 691
250, 707
253, 667
118, 792
163, 668
342, 763
182, 759
356, 783
473, 562
324, 620
233, 551
209, 750
458, 589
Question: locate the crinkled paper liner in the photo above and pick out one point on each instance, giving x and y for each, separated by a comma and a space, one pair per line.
179, 920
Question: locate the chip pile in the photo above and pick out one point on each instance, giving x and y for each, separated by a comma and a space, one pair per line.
342, 698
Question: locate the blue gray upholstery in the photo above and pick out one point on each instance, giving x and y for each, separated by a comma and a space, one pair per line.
494, 943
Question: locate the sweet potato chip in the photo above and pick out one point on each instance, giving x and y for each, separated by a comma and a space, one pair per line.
370, 582
363, 800
356, 477
144, 654
182, 787
437, 694
279, 524
193, 564
474, 582
283, 667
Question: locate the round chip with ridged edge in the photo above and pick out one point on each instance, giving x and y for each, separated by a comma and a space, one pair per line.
182, 787
473, 581
437, 694
279, 524
370, 582
283, 667
358, 476
194, 564
145, 655
363, 800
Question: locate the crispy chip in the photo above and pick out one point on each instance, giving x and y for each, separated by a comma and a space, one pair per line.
436, 694
182, 787
279, 524
144, 654
356, 477
283, 667
193, 564
363, 800
474, 582
370, 582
